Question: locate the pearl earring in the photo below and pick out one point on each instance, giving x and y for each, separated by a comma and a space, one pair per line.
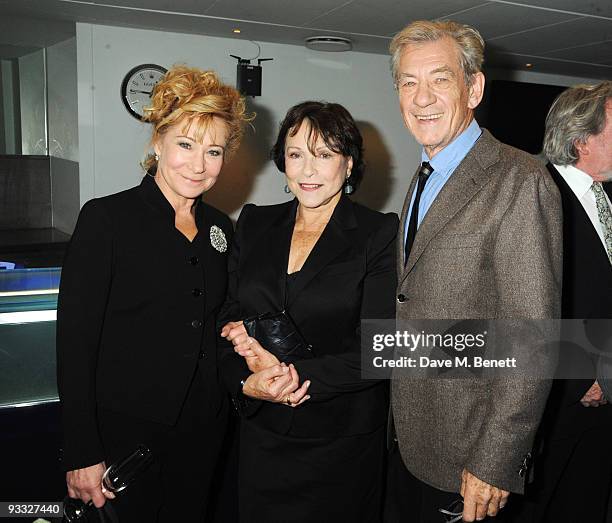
156, 157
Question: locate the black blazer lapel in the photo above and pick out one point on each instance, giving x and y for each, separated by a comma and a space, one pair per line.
575, 218
333, 241
215, 262
272, 246
209, 263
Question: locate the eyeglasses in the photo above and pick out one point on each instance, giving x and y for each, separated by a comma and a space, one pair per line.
454, 512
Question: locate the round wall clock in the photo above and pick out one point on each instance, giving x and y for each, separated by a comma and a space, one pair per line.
137, 87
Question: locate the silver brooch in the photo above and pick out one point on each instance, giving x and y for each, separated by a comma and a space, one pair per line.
217, 239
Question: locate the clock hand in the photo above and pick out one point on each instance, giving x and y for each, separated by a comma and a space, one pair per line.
143, 92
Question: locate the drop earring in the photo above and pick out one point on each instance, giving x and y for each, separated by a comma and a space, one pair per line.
156, 157
348, 188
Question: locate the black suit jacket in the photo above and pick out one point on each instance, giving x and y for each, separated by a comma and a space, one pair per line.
586, 294
136, 311
349, 275
587, 273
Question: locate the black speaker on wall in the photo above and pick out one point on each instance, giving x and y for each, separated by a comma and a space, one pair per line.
248, 79
248, 76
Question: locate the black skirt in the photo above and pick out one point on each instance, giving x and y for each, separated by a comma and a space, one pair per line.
287, 479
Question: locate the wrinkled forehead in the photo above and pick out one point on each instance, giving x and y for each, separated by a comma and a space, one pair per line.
203, 128
430, 56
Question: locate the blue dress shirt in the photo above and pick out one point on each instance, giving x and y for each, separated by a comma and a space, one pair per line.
444, 164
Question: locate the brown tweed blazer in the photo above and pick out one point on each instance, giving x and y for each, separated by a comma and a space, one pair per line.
489, 247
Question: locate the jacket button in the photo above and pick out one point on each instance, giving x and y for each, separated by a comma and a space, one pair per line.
196, 324
194, 260
197, 292
401, 298
201, 354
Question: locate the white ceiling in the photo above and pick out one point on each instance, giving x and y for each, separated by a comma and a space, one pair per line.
569, 37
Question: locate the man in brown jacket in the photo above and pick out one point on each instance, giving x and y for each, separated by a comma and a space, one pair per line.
480, 239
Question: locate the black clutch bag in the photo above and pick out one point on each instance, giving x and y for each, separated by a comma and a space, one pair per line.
277, 333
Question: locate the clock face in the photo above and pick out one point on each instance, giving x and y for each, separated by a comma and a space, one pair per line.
137, 87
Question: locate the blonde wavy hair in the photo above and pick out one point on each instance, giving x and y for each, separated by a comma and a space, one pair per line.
194, 97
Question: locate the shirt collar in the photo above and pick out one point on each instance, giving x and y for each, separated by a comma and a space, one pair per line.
579, 181
452, 155
153, 195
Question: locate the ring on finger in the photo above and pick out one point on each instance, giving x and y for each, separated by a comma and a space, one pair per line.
288, 401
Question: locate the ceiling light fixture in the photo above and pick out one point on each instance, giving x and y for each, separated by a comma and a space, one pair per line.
237, 31
528, 65
328, 43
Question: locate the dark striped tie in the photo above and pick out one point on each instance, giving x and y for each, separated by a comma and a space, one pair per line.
424, 173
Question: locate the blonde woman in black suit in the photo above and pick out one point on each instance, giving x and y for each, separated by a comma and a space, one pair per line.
143, 279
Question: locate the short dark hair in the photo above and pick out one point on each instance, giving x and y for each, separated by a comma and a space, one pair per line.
333, 123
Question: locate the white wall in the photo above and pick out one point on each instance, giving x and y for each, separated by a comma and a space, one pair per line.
112, 143
10, 145
32, 101
63, 133
62, 100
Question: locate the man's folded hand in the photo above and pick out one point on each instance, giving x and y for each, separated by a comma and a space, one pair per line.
479, 498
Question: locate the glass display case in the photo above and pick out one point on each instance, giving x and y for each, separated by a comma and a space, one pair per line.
28, 308
30, 438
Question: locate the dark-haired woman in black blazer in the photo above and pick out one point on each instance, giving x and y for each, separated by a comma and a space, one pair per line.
312, 434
